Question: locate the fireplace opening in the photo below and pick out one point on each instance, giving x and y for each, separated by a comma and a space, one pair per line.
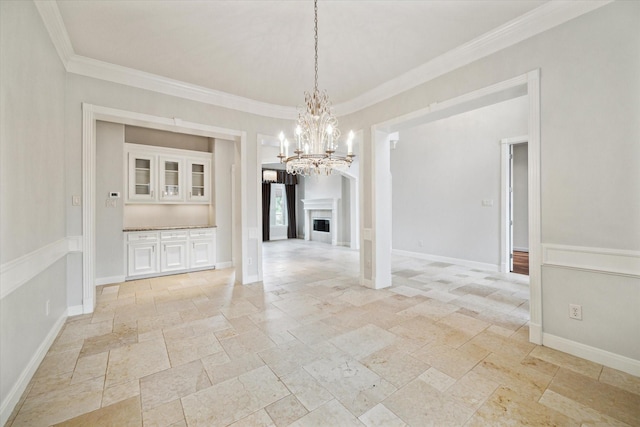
320, 224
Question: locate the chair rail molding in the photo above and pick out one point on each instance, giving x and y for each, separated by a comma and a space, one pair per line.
603, 260
21, 270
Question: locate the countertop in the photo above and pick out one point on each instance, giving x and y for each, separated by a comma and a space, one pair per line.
159, 228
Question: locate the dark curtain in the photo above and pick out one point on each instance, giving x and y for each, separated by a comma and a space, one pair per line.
291, 211
286, 178
266, 202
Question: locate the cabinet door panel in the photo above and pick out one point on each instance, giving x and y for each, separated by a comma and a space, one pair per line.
202, 254
174, 256
171, 179
142, 177
199, 177
142, 259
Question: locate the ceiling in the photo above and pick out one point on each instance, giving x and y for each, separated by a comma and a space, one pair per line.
263, 50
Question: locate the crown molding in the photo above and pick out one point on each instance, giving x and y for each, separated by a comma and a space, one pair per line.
130, 77
536, 21
54, 24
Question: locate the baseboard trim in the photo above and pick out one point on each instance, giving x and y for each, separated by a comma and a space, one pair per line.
535, 333
109, 280
457, 261
13, 397
597, 355
226, 264
75, 310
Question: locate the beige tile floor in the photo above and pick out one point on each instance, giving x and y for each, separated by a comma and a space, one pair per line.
445, 346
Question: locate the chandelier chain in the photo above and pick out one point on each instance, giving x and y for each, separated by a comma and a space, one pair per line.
315, 8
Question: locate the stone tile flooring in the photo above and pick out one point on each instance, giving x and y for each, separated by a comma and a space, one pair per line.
445, 346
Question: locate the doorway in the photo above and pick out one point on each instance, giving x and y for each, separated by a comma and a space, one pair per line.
515, 202
376, 239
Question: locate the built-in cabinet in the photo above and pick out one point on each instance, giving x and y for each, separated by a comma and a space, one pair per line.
142, 254
167, 175
155, 253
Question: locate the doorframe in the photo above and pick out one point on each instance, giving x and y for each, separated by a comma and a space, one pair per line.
505, 172
91, 114
376, 241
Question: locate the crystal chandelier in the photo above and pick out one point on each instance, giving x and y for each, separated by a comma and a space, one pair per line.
317, 133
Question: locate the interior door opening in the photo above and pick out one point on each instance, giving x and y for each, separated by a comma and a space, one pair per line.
518, 218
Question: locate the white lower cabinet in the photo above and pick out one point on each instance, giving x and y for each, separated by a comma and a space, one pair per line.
173, 254
203, 248
154, 253
142, 253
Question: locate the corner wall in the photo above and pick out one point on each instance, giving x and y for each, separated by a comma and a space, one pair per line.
34, 247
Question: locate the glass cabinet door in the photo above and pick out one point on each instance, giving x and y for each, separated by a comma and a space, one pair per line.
171, 185
141, 176
199, 174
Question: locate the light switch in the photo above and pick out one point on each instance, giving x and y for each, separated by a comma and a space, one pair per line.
75, 200
487, 202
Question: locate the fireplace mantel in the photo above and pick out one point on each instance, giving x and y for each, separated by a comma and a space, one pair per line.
321, 205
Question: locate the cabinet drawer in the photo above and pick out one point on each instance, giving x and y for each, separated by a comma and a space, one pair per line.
142, 237
201, 233
173, 235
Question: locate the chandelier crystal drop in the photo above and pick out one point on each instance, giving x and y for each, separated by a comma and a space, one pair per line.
317, 132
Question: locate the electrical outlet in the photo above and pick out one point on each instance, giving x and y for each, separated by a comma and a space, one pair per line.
575, 311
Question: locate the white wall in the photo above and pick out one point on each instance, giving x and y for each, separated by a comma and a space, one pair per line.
223, 162
109, 220
160, 138
442, 171
323, 187
590, 158
520, 198
34, 201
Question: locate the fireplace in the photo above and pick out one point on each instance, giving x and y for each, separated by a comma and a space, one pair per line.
321, 220
322, 224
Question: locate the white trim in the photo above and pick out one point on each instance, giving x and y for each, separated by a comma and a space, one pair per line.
75, 243
101, 281
521, 249
535, 333
75, 310
515, 87
52, 19
534, 22
597, 355
534, 201
142, 80
19, 271
226, 264
456, 261
613, 261
13, 397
